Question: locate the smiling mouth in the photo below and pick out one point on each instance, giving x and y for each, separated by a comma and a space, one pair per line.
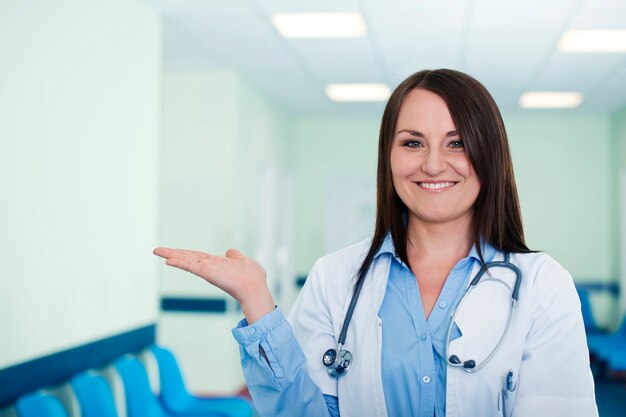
436, 185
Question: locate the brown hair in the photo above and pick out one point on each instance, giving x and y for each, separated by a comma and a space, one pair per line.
496, 214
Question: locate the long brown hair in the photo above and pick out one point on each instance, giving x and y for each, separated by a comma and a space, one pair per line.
497, 218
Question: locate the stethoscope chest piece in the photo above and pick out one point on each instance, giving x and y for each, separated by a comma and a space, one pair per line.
337, 363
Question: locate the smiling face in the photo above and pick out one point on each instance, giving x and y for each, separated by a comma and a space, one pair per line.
430, 169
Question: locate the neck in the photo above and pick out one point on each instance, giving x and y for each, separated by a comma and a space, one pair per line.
439, 241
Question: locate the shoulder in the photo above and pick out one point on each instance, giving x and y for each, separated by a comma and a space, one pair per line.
341, 265
539, 265
346, 257
544, 277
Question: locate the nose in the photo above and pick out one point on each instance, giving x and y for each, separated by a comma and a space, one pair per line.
434, 162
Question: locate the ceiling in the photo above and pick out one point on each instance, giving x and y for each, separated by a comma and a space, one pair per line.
509, 45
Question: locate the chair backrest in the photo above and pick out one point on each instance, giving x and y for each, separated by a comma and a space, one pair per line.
39, 404
622, 327
585, 306
94, 395
149, 362
140, 400
174, 394
116, 384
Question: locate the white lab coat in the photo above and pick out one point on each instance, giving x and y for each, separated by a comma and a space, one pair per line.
545, 347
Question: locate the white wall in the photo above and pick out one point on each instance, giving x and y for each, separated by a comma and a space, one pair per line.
79, 108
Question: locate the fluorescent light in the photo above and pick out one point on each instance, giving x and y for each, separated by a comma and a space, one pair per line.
357, 92
319, 25
593, 41
550, 100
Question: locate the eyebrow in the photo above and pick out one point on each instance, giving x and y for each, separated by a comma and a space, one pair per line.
419, 134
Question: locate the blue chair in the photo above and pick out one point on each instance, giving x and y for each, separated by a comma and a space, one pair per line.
39, 404
177, 400
140, 400
585, 306
94, 395
616, 360
601, 345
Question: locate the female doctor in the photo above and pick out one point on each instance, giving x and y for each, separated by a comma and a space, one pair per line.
445, 311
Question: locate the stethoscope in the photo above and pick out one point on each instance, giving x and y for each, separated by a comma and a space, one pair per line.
338, 361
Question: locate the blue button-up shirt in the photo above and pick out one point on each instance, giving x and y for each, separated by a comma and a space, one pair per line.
413, 349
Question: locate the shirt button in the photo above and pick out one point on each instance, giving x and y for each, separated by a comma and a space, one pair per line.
252, 330
426, 379
442, 304
423, 336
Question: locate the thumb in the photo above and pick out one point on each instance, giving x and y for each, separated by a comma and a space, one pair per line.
234, 254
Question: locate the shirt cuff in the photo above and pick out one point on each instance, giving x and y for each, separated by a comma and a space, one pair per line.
245, 334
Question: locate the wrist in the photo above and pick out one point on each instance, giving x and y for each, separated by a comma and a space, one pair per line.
257, 307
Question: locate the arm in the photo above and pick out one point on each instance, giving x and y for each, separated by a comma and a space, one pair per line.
273, 362
555, 378
275, 370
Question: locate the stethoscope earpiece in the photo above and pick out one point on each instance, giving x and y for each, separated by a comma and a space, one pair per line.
454, 360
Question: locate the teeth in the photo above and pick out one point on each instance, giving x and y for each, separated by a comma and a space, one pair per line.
435, 185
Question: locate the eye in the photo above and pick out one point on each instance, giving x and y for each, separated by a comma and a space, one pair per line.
412, 144
456, 144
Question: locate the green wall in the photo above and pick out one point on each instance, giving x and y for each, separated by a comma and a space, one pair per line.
324, 148
563, 171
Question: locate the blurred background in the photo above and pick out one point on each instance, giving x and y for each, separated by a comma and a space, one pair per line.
130, 124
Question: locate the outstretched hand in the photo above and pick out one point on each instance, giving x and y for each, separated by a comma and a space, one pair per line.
241, 277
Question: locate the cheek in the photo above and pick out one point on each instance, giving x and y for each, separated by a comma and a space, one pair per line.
400, 164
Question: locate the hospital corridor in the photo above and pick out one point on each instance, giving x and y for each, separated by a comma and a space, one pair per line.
336, 190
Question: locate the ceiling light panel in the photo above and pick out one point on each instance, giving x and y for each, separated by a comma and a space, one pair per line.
319, 25
601, 40
358, 92
550, 100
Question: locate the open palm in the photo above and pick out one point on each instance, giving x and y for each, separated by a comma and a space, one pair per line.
241, 277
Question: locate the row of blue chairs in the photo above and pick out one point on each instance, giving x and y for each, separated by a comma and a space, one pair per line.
608, 349
99, 394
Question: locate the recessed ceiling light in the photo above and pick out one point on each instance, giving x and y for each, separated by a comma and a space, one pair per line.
593, 41
319, 25
357, 92
550, 100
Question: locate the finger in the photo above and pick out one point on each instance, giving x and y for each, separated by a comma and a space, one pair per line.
180, 253
163, 252
234, 254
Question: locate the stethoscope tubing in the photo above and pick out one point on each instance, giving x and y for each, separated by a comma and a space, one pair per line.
514, 299
484, 269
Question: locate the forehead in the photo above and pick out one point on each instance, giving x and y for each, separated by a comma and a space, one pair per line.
423, 110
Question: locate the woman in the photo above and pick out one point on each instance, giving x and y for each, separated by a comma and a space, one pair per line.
420, 343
